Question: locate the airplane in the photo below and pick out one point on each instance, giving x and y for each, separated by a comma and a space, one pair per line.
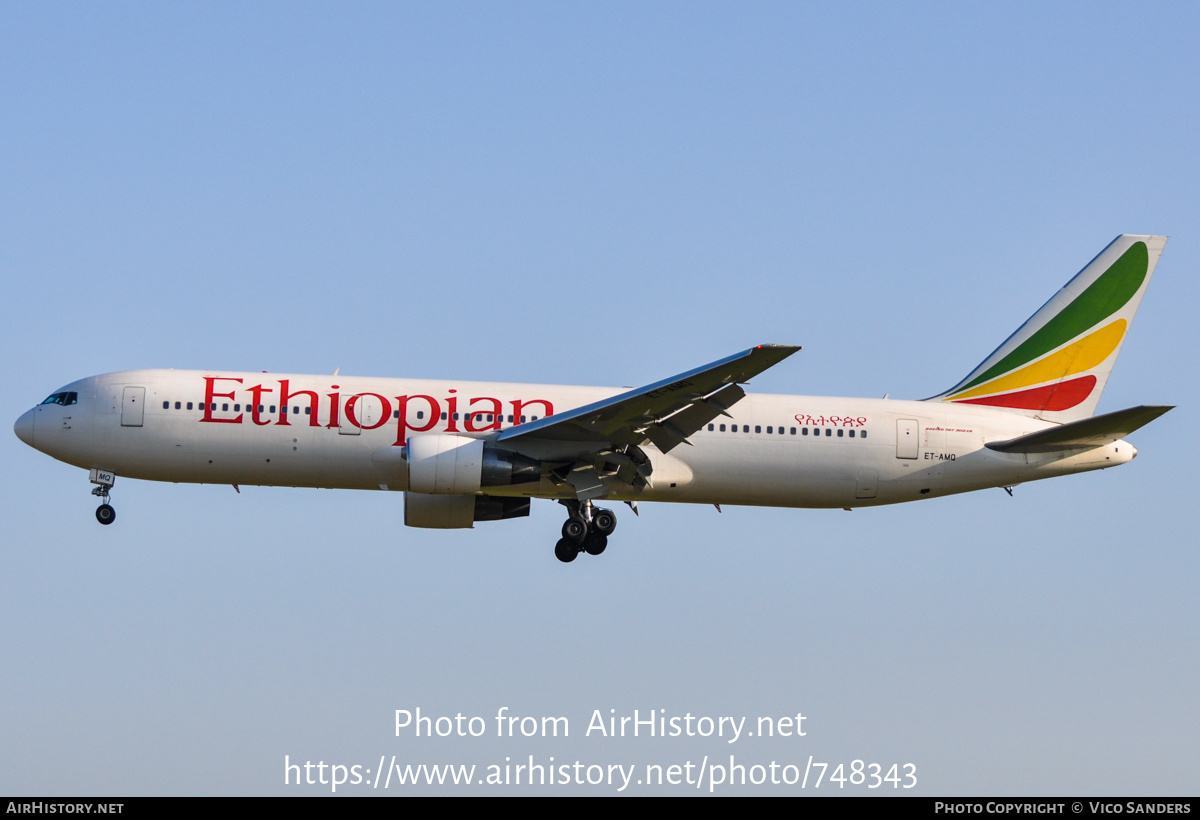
466, 452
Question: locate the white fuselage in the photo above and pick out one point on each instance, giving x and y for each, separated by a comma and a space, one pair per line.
342, 432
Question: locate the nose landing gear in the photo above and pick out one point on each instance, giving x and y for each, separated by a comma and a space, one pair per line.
585, 530
105, 514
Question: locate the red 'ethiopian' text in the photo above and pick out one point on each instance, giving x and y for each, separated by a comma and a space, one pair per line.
417, 413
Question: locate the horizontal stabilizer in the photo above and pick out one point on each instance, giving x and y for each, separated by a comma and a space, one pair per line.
1092, 432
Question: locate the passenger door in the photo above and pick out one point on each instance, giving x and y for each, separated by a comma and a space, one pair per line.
133, 404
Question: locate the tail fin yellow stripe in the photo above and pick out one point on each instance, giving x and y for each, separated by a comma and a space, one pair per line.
1083, 355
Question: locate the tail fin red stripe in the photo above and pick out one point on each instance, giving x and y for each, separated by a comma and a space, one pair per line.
1050, 397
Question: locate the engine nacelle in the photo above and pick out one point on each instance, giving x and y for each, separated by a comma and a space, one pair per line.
447, 512
446, 464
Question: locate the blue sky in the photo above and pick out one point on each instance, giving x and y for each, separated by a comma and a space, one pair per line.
603, 195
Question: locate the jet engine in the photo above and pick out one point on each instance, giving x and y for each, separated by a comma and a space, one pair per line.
446, 464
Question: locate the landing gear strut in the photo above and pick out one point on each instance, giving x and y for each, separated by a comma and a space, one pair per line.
585, 530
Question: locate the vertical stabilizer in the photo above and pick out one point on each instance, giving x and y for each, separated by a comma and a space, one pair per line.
1056, 365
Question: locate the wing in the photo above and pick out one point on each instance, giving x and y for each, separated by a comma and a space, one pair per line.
665, 413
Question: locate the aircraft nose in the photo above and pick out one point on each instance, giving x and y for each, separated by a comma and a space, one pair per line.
1134, 453
24, 427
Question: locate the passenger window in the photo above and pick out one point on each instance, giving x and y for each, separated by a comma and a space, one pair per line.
710, 428
770, 430
828, 432
804, 431
862, 434
237, 408
420, 414
166, 405
722, 428
841, 432
794, 431
758, 428
176, 405
522, 419
308, 411
224, 407
851, 434
189, 405
296, 411
443, 415
272, 408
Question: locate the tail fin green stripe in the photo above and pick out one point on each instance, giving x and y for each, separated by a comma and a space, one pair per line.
1101, 299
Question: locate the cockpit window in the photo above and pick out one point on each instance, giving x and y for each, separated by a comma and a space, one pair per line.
62, 398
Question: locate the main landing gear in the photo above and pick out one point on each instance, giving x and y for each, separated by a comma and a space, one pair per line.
585, 530
104, 480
